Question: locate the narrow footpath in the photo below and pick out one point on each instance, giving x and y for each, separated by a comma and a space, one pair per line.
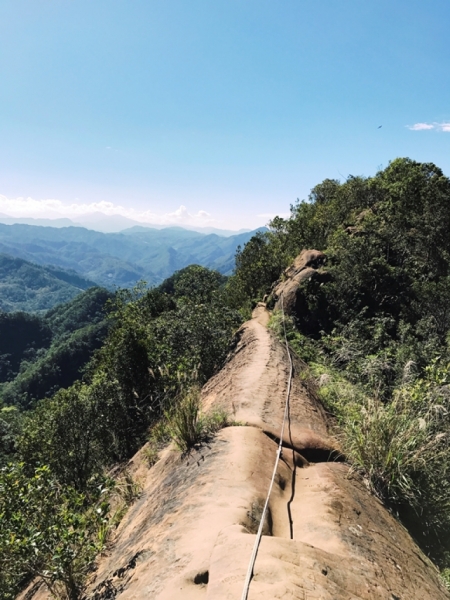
190, 534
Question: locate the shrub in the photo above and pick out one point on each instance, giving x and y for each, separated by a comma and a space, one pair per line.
47, 531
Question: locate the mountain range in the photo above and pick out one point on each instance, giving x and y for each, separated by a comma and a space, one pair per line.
77, 258
98, 221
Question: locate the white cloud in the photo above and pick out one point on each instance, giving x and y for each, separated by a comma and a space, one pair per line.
423, 126
420, 126
51, 209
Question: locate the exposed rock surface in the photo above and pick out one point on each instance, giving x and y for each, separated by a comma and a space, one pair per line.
305, 266
190, 535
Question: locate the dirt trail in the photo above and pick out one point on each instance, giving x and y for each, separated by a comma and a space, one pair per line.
190, 534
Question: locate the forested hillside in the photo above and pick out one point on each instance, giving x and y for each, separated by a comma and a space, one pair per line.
29, 287
40, 354
121, 259
372, 323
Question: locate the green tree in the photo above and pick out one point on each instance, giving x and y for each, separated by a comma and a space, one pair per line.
65, 433
258, 265
194, 283
48, 531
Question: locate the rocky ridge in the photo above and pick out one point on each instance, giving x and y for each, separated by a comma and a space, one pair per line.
191, 532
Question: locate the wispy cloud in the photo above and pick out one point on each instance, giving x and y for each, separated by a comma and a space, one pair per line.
420, 126
52, 209
424, 126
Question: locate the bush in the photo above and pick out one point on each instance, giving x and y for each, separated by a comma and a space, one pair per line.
47, 531
401, 447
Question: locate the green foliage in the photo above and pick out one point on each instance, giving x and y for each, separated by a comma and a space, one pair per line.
387, 246
258, 265
21, 337
59, 367
86, 309
187, 426
445, 578
39, 355
158, 346
194, 283
11, 423
70, 421
47, 531
303, 346
25, 286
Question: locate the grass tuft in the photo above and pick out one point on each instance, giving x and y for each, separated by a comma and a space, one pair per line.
188, 427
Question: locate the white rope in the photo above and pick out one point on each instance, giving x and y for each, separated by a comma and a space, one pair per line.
280, 447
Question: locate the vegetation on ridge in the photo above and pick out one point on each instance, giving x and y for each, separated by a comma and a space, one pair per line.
373, 325
161, 345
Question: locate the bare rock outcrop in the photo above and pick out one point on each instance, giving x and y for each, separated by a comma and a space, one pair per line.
307, 265
190, 534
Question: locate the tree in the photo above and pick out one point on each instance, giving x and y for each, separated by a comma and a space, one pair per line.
48, 531
70, 421
258, 265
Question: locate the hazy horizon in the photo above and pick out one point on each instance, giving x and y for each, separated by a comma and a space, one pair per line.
216, 114
112, 223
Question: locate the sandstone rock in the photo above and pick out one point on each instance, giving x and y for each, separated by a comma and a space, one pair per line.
190, 534
304, 267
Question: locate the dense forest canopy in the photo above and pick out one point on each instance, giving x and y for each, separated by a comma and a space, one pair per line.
373, 324
25, 286
40, 354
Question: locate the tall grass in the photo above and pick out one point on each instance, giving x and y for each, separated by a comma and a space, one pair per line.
400, 446
185, 424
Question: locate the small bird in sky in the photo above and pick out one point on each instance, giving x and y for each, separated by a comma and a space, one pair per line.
379, 126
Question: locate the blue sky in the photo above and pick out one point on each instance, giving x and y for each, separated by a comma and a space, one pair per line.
231, 109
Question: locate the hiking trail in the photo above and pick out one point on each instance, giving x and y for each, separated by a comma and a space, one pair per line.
190, 534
